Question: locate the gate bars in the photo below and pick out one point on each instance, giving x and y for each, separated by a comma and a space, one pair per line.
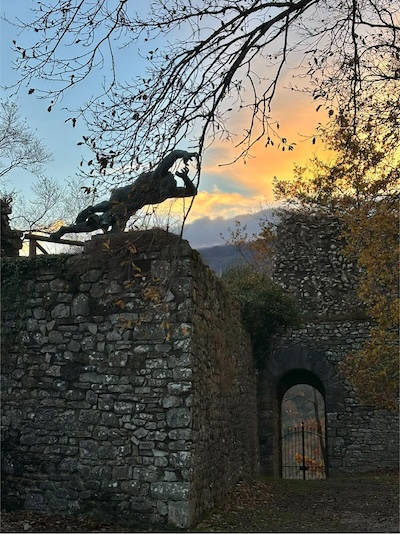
303, 453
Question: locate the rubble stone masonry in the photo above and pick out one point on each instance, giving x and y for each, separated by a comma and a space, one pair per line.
311, 266
129, 389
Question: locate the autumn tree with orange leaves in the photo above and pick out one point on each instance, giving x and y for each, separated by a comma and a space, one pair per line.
361, 188
373, 238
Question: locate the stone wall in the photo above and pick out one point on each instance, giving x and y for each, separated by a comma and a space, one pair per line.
128, 383
309, 263
359, 438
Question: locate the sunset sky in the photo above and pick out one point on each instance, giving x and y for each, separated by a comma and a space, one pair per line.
225, 191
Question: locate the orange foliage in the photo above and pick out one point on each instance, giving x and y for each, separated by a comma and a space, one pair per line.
315, 464
362, 189
374, 239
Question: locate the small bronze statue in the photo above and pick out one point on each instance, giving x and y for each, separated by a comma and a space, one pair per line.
151, 187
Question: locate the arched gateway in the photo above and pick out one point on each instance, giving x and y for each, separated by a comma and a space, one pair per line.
286, 368
302, 426
309, 264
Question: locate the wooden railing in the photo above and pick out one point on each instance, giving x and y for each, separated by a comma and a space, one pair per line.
34, 243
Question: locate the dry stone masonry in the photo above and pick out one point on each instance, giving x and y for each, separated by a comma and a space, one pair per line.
128, 383
129, 390
309, 263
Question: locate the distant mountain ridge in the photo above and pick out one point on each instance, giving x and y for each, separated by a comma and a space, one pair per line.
223, 257
206, 233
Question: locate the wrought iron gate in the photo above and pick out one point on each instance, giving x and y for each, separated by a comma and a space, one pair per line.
303, 453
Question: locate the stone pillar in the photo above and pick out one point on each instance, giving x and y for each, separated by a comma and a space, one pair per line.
129, 385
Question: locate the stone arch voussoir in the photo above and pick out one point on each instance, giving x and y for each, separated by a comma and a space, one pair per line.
300, 357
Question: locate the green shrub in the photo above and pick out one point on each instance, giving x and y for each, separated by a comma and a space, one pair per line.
266, 308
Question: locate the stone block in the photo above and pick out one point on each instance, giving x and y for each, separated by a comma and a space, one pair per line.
88, 449
92, 378
178, 388
34, 501
166, 491
80, 305
61, 311
179, 514
178, 417
181, 459
171, 401
123, 407
121, 472
149, 473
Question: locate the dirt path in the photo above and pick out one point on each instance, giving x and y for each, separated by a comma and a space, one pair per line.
351, 504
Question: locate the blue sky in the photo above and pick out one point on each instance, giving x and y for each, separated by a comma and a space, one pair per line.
225, 191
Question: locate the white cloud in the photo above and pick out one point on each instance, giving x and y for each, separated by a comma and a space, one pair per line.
207, 232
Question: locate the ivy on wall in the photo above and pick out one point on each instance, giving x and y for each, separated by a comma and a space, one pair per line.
266, 308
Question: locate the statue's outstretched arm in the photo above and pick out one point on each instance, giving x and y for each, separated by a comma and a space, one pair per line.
190, 190
164, 166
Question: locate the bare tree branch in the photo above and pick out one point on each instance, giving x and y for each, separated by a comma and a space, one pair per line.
19, 146
216, 59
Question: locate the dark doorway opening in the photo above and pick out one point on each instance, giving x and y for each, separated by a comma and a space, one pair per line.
301, 401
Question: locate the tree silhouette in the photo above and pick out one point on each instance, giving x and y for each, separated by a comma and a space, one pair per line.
211, 61
20, 148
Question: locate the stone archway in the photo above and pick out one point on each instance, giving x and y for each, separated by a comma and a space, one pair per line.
285, 367
310, 266
302, 426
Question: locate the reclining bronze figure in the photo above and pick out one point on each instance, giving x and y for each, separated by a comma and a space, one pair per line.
151, 187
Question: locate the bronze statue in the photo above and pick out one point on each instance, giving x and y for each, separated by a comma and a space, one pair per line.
151, 187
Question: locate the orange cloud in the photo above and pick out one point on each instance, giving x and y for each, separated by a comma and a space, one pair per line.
214, 204
222, 204
228, 189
